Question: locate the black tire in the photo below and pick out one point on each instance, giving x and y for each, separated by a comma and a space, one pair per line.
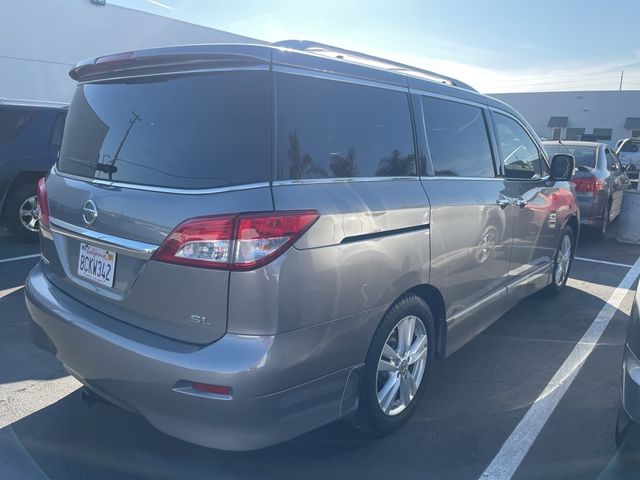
601, 232
370, 416
12, 212
555, 287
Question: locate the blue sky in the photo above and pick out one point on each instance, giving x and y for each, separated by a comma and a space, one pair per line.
495, 45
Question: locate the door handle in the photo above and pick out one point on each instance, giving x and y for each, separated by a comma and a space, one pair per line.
520, 202
504, 202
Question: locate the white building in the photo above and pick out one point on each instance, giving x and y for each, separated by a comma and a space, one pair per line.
608, 115
41, 40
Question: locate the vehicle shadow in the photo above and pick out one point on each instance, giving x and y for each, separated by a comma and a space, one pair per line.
20, 359
67, 440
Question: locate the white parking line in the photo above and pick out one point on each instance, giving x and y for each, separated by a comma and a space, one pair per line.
24, 257
21, 399
604, 262
9, 291
514, 449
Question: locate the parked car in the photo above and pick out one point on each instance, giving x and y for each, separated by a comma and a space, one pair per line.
628, 150
599, 181
242, 243
30, 137
628, 425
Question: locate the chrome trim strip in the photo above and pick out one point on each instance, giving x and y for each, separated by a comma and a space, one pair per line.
484, 179
149, 188
122, 245
305, 181
528, 276
427, 93
337, 77
262, 67
199, 393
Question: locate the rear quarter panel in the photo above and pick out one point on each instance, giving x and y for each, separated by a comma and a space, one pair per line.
370, 244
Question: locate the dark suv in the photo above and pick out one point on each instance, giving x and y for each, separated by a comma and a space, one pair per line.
30, 138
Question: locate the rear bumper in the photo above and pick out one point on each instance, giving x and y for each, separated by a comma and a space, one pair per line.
591, 210
151, 375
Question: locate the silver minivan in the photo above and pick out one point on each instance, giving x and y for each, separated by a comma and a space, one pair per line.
244, 242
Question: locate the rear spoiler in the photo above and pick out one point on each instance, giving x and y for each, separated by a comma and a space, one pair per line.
170, 59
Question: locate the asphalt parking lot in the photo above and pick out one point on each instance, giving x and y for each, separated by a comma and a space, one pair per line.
464, 428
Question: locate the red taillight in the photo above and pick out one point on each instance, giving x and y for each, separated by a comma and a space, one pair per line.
260, 238
43, 203
206, 387
240, 242
590, 184
201, 242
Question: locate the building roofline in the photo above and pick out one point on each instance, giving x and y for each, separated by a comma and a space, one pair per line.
185, 22
565, 92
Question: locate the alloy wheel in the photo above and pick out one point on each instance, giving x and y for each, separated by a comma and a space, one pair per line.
402, 365
28, 213
563, 259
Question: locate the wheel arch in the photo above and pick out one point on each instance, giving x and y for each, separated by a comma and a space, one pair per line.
18, 180
573, 222
432, 296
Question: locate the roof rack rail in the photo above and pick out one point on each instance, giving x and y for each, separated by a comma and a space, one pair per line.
31, 103
369, 60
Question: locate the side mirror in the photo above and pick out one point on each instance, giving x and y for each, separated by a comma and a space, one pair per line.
562, 166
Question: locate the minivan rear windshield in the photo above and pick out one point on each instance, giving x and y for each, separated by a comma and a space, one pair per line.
585, 156
192, 131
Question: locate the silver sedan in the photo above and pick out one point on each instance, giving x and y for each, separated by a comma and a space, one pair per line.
599, 181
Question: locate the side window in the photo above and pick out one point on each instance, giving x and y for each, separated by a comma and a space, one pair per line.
629, 147
13, 121
332, 129
519, 153
457, 138
57, 130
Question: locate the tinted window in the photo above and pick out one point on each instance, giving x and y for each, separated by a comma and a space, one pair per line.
330, 129
585, 156
612, 161
183, 132
457, 138
57, 130
13, 121
518, 151
630, 146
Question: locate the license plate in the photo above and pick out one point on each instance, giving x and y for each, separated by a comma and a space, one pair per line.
97, 264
